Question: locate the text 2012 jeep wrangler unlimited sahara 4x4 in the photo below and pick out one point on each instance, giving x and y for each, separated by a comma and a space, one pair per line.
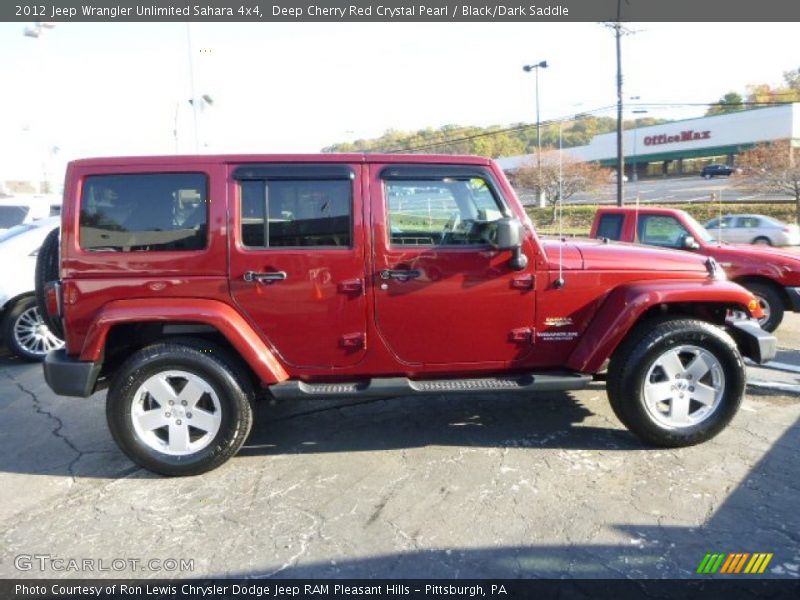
186, 283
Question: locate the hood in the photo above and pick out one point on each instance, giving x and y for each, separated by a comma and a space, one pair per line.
596, 255
755, 252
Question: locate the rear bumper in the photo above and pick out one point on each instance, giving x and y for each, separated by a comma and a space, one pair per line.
794, 298
70, 377
753, 342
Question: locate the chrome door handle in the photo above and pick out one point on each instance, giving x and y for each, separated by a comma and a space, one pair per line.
269, 277
401, 274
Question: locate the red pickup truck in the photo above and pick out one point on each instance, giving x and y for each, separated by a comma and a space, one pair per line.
772, 275
185, 284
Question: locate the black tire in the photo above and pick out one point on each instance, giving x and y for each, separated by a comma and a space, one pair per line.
37, 347
771, 301
762, 240
221, 371
631, 363
48, 265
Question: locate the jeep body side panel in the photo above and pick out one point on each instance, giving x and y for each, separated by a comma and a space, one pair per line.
628, 302
218, 315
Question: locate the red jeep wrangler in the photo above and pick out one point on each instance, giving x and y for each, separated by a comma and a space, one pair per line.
772, 275
185, 284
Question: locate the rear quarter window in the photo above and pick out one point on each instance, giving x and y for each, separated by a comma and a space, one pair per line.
144, 212
610, 227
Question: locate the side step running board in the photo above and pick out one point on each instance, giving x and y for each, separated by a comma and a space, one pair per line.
554, 381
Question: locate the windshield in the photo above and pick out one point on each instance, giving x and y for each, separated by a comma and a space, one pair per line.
701, 231
12, 215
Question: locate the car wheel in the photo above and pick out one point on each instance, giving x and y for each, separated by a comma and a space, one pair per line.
707, 176
771, 303
762, 241
180, 407
676, 382
25, 333
48, 262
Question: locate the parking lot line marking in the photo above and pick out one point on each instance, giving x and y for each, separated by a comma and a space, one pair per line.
784, 387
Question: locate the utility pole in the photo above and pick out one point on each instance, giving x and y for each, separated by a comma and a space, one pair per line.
620, 152
619, 31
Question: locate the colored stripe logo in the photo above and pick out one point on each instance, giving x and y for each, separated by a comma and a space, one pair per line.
734, 563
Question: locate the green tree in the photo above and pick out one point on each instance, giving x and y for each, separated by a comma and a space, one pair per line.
730, 102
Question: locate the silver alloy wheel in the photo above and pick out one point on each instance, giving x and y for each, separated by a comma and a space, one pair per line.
683, 386
32, 335
176, 412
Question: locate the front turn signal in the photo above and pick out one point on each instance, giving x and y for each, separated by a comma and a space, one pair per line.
754, 307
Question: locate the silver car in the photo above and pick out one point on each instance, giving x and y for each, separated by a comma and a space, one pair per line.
754, 229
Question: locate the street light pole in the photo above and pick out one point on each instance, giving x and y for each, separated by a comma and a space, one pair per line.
535, 68
635, 165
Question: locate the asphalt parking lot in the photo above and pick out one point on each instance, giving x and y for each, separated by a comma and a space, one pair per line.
481, 486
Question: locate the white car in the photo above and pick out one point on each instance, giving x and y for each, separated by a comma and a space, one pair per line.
23, 331
21, 210
753, 229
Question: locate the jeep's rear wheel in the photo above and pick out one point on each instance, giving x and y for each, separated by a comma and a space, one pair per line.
676, 382
180, 407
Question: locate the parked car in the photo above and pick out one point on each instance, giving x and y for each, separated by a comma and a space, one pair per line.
24, 332
19, 210
710, 171
753, 229
612, 177
772, 275
186, 283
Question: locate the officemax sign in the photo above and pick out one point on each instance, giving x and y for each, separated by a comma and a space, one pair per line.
690, 135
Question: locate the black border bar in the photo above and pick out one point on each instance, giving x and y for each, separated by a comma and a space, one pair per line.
400, 589
292, 11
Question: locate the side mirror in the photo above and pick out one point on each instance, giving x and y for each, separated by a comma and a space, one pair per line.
509, 236
690, 243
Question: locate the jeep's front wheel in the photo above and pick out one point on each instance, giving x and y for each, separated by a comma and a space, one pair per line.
676, 382
180, 408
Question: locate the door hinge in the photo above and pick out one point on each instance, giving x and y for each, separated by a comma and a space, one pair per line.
353, 340
522, 282
521, 335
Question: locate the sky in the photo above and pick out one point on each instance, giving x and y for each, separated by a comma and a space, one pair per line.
100, 89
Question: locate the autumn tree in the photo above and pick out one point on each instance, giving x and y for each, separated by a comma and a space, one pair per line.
560, 182
773, 167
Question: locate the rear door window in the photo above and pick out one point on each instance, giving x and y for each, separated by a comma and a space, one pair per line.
296, 213
144, 212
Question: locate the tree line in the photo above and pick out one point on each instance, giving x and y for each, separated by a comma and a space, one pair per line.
759, 94
494, 141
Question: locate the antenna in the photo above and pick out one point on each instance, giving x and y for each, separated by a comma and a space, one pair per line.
559, 283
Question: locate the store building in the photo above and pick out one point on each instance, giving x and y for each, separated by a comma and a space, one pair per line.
685, 147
